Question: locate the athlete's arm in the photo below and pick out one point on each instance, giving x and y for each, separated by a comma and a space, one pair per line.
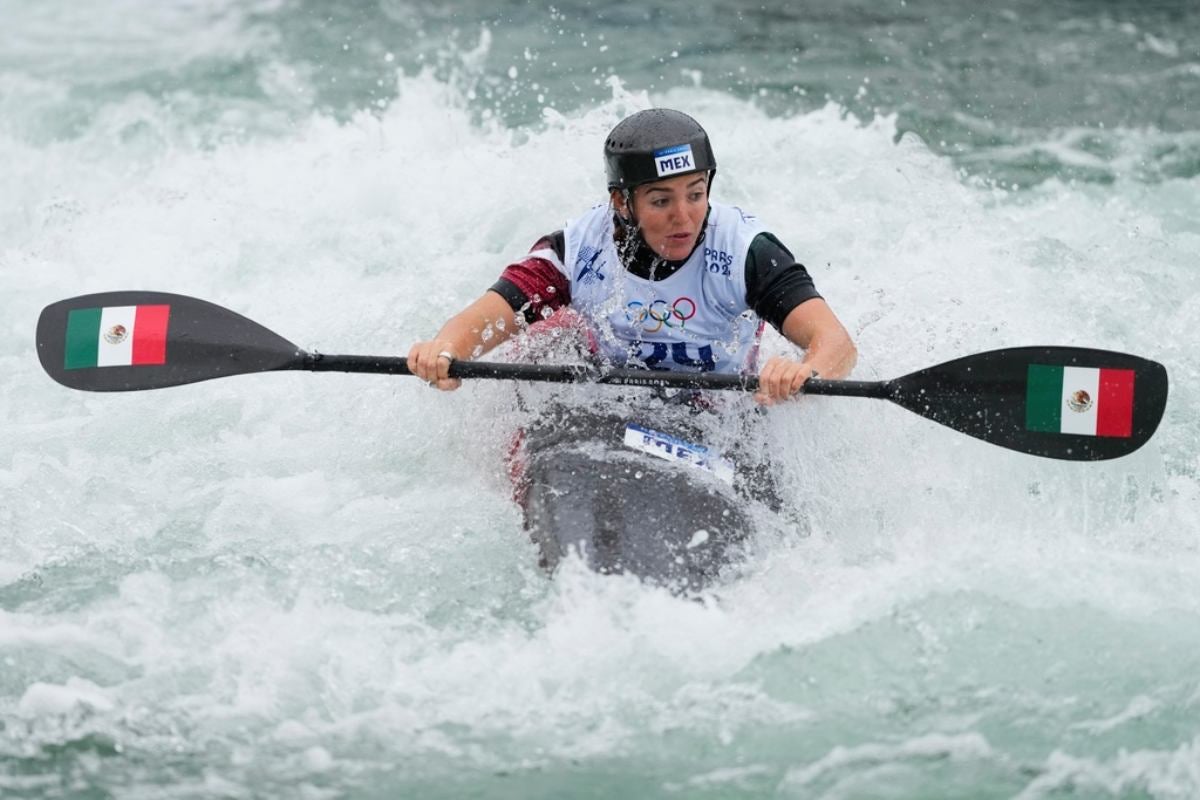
531, 287
828, 350
473, 331
781, 291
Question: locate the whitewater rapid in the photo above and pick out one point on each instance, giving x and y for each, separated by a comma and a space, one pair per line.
318, 585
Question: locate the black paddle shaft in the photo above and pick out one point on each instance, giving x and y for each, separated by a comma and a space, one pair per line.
553, 373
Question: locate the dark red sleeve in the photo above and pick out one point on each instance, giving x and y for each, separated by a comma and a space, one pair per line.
534, 286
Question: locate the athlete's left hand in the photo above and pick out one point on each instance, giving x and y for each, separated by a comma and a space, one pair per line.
781, 378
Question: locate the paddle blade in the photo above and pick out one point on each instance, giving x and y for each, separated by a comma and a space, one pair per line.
128, 341
1070, 403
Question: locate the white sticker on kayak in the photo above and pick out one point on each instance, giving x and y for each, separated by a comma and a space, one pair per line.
669, 448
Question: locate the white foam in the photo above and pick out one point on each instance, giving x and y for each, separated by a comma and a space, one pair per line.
45, 699
962, 747
1170, 773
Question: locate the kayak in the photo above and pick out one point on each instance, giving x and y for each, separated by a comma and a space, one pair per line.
637, 494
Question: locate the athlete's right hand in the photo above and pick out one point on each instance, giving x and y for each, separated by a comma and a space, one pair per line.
430, 361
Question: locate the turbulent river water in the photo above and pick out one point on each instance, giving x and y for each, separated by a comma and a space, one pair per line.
317, 586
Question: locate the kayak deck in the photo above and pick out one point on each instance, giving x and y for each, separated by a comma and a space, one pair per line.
585, 492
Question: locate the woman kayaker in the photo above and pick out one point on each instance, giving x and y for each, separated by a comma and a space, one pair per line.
664, 278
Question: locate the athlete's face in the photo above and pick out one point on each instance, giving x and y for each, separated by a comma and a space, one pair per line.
670, 213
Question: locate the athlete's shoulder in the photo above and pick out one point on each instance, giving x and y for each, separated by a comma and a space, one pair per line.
550, 248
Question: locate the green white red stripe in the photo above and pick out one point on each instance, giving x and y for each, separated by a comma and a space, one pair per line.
116, 336
1080, 400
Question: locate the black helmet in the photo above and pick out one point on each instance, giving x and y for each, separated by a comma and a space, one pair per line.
655, 144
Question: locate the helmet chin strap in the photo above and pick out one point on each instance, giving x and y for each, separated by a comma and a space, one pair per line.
631, 241
628, 220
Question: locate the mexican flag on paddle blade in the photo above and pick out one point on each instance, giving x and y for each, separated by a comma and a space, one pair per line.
116, 336
1080, 400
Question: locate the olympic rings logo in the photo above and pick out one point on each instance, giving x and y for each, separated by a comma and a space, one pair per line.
659, 315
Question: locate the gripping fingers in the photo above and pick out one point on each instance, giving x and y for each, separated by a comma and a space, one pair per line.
430, 361
442, 361
420, 365
768, 383
799, 377
777, 380
780, 379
